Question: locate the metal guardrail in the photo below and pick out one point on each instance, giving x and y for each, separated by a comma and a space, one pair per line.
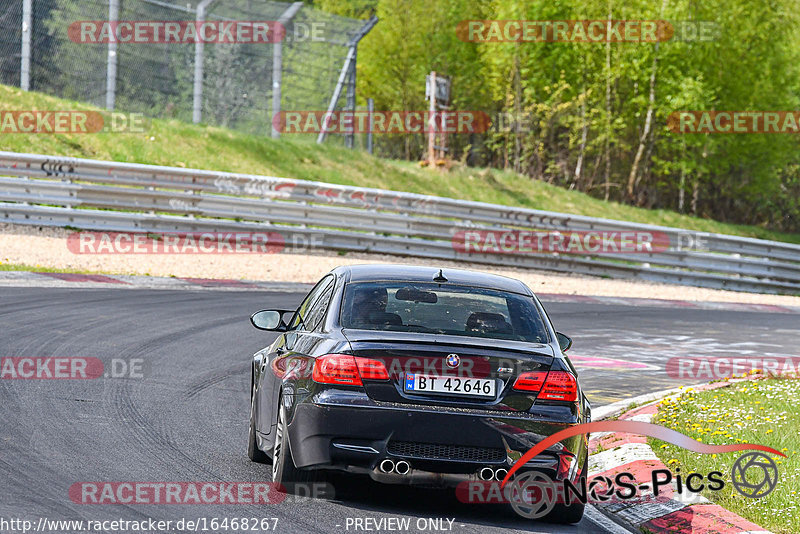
101, 195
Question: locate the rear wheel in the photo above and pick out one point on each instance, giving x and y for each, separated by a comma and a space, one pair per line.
253, 452
569, 513
566, 514
284, 471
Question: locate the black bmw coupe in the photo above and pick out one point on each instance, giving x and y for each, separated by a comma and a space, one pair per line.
415, 375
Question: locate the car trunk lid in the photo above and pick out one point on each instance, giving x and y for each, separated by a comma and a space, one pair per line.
466, 358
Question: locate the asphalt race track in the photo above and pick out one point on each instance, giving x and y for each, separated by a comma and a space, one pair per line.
186, 418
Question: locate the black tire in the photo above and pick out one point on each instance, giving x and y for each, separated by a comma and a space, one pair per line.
253, 452
566, 514
572, 513
284, 472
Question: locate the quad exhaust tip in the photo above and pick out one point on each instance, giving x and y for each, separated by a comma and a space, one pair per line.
487, 473
402, 467
387, 466
390, 466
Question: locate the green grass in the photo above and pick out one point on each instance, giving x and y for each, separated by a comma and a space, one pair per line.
44, 269
765, 412
174, 143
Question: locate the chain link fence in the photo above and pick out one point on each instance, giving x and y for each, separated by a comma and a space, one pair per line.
241, 84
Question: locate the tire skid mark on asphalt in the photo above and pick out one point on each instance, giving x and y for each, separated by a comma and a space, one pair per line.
31, 304
154, 441
160, 343
215, 377
37, 481
25, 479
157, 440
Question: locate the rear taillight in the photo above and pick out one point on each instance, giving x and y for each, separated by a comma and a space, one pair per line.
553, 385
347, 370
336, 369
371, 369
531, 381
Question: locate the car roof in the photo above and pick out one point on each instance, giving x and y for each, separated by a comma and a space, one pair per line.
418, 273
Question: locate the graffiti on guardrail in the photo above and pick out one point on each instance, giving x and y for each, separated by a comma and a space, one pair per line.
328, 194
57, 167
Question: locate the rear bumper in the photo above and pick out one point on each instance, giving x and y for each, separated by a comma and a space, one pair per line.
356, 434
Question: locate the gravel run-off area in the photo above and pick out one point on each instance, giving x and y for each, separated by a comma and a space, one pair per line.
46, 247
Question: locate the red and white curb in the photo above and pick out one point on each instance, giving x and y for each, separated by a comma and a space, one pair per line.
80, 280
669, 512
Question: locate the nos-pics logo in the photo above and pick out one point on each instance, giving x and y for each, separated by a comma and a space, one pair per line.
533, 494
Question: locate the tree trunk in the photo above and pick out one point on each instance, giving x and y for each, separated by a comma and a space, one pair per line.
648, 119
584, 135
608, 111
682, 183
517, 112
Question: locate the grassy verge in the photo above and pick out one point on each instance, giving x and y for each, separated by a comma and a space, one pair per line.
174, 143
765, 412
43, 269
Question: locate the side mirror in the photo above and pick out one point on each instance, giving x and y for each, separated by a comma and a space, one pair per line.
268, 320
564, 341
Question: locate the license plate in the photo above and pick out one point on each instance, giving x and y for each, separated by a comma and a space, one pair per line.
449, 385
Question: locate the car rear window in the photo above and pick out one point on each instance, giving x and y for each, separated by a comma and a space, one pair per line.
451, 309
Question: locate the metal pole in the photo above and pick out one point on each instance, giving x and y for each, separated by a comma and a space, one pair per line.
277, 65
350, 99
351, 54
337, 91
432, 129
197, 104
25, 65
370, 109
111, 67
